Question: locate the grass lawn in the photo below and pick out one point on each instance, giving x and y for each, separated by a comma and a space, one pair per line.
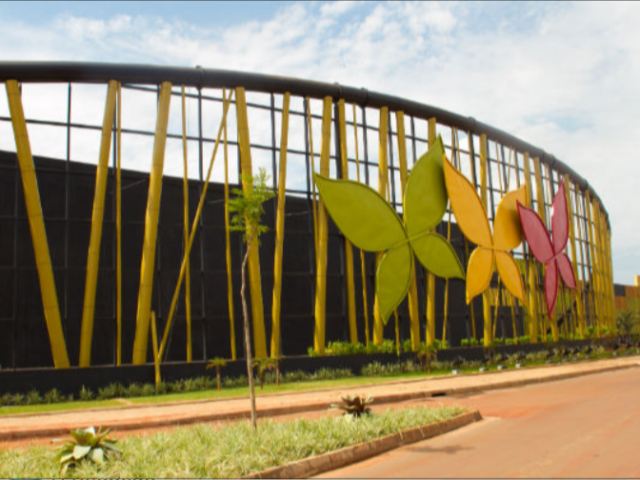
214, 394
226, 450
241, 391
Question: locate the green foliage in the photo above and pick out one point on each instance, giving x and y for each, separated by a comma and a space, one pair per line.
523, 339
113, 390
247, 207
216, 363
425, 354
87, 445
356, 406
54, 396
464, 342
86, 394
262, 366
627, 321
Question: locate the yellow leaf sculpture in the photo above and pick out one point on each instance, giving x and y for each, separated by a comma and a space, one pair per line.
492, 249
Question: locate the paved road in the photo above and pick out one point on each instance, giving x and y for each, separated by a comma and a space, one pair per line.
583, 427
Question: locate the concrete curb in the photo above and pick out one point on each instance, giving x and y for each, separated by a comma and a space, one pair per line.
356, 453
309, 407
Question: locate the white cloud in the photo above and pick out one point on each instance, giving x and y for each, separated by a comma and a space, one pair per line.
562, 76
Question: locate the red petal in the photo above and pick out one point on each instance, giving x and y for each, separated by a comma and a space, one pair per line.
566, 270
560, 220
536, 234
551, 286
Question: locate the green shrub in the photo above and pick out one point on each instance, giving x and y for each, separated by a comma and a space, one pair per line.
86, 394
53, 396
523, 339
473, 342
464, 342
113, 390
33, 398
133, 390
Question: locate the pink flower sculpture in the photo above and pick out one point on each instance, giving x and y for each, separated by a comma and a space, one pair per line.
549, 253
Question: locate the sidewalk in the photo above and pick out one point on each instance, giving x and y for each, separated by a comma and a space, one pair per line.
48, 425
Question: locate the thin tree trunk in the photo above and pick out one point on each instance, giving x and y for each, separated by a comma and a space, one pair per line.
247, 337
218, 377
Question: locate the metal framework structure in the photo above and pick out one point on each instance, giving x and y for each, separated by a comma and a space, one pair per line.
292, 128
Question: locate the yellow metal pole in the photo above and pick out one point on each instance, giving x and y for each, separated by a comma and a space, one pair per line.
486, 295
414, 314
227, 240
348, 249
598, 257
321, 252
574, 257
93, 255
119, 230
472, 164
532, 276
365, 302
277, 260
154, 343
185, 197
543, 215
194, 227
383, 176
454, 159
255, 279
151, 228
36, 224
594, 266
431, 278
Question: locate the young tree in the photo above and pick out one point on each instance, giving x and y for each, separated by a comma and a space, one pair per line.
247, 208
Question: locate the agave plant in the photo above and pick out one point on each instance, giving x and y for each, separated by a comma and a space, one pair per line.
356, 406
87, 444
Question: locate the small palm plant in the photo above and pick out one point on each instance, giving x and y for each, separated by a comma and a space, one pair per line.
87, 445
217, 363
355, 406
626, 322
425, 354
262, 366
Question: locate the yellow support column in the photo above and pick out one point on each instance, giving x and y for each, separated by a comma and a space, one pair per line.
93, 255
383, 178
595, 287
532, 276
227, 242
348, 249
414, 314
486, 295
151, 228
431, 278
574, 256
543, 215
36, 225
321, 252
255, 280
277, 260
185, 200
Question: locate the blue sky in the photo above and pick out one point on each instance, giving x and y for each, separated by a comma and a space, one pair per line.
563, 76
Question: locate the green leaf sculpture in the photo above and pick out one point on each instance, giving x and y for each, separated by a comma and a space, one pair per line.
371, 224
